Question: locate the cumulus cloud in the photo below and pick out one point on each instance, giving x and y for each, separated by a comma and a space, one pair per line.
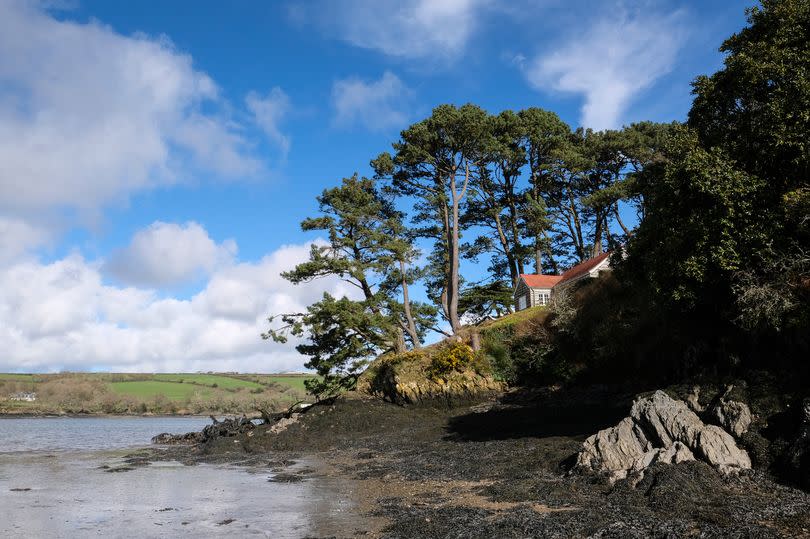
18, 236
610, 62
268, 112
88, 115
62, 315
375, 105
408, 29
167, 254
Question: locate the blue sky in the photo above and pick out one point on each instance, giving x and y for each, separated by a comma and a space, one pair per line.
157, 157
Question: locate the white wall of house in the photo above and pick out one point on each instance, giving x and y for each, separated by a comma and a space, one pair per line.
540, 296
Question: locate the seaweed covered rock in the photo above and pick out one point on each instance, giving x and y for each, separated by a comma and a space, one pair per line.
659, 430
226, 428
449, 372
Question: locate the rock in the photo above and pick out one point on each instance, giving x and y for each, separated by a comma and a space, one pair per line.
799, 452
733, 416
693, 400
166, 438
225, 428
674, 454
405, 379
615, 450
659, 430
282, 424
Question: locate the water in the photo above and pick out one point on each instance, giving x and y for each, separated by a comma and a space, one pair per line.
53, 484
91, 433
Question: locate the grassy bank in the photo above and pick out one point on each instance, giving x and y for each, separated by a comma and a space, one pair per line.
165, 393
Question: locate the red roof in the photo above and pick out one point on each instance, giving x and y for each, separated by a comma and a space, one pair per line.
549, 281
582, 268
540, 281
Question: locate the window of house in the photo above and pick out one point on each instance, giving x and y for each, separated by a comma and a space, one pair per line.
544, 298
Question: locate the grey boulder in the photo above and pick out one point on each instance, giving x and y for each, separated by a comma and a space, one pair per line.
659, 430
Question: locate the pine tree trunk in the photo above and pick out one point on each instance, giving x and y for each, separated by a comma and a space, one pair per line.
406, 302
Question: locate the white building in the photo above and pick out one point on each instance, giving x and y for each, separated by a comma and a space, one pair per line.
23, 396
533, 290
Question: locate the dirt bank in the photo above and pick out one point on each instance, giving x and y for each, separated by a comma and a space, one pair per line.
499, 469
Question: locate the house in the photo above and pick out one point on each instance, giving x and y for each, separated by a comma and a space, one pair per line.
23, 396
533, 290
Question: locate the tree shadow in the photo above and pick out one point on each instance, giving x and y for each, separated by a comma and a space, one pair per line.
524, 414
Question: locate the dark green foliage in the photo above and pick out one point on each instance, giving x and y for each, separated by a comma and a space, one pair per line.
489, 299
522, 349
757, 108
723, 243
702, 224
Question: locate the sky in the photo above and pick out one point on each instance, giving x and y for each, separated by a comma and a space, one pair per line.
156, 158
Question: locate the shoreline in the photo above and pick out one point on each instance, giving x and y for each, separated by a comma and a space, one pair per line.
500, 467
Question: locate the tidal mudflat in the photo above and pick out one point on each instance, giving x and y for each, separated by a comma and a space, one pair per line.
55, 484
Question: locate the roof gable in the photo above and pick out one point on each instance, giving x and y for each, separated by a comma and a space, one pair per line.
540, 281
583, 267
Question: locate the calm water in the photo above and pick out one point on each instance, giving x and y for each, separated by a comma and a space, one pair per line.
88, 433
52, 484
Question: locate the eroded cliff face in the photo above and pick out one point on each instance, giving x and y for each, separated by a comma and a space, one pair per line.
408, 379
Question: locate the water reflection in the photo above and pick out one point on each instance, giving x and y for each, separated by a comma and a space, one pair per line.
70, 496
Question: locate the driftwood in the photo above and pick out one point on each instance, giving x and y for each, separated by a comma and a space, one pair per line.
233, 426
273, 417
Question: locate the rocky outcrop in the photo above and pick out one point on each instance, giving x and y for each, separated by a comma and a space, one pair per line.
733, 416
659, 430
406, 379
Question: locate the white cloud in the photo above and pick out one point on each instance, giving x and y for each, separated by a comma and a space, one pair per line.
168, 253
376, 105
409, 28
610, 62
89, 117
17, 237
268, 112
62, 315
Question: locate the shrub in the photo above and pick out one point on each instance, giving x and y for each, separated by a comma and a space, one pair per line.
449, 357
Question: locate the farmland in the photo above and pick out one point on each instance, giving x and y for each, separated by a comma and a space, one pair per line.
164, 393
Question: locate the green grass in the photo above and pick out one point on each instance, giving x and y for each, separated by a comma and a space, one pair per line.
223, 381
293, 380
21, 377
149, 389
514, 318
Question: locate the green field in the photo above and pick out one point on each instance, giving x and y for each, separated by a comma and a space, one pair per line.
159, 393
210, 380
149, 389
20, 377
293, 380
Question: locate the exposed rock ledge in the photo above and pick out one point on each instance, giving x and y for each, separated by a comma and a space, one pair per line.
407, 381
659, 430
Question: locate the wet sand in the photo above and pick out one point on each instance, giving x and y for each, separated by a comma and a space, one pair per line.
110, 494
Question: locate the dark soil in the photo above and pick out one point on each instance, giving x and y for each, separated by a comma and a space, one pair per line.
501, 469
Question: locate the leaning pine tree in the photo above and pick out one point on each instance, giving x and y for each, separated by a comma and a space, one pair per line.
367, 248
